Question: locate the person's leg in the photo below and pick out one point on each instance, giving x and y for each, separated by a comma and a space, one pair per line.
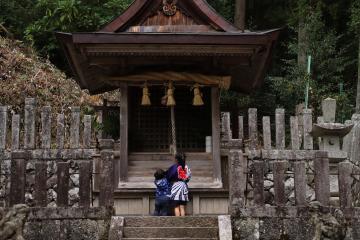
164, 208
182, 210
157, 208
177, 211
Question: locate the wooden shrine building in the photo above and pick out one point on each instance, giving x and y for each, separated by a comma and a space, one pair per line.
169, 59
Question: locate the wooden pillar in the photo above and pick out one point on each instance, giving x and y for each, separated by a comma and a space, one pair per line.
17, 178
124, 121
40, 188
215, 120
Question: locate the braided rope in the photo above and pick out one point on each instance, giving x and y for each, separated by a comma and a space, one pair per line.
173, 130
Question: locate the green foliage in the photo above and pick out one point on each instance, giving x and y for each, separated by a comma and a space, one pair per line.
225, 7
69, 16
329, 27
328, 66
16, 15
355, 16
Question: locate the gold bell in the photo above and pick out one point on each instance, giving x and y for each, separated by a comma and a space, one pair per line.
145, 101
198, 101
170, 96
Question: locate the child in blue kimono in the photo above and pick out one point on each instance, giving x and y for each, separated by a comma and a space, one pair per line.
162, 196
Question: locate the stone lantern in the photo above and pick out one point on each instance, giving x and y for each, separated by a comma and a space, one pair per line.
330, 133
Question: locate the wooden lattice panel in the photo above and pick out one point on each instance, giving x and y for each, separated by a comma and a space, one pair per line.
150, 129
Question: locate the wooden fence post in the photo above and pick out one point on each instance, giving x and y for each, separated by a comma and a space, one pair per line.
241, 127
355, 141
75, 128
3, 127
279, 184
106, 196
15, 132
226, 126
253, 129
29, 123
346, 147
322, 178
307, 121
46, 127
267, 133
63, 177
87, 131
237, 180
40, 188
60, 131
300, 183
295, 138
280, 128
345, 181
17, 178
84, 183
258, 176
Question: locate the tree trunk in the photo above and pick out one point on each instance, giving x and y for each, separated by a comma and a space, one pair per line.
240, 14
358, 84
301, 45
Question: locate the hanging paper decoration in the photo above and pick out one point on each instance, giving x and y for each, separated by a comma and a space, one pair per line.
197, 101
170, 95
145, 101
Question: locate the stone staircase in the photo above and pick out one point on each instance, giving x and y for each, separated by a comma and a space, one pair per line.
141, 168
171, 228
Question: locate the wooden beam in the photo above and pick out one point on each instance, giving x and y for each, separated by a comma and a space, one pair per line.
215, 116
240, 38
124, 122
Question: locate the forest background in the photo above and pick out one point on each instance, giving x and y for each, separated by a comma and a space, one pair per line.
328, 30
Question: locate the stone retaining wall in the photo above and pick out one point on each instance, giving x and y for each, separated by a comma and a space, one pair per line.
21, 222
51, 157
307, 223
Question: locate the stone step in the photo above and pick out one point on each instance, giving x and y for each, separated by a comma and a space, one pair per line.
170, 232
148, 183
170, 238
153, 168
167, 157
171, 221
150, 173
169, 163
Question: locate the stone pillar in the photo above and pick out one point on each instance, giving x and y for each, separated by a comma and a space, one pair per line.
106, 196
29, 123
355, 140
237, 181
3, 127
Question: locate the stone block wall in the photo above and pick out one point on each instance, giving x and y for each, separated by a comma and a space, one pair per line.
308, 223
74, 157
22, 222
45, 137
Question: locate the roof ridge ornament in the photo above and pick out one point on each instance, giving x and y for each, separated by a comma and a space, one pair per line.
169, 7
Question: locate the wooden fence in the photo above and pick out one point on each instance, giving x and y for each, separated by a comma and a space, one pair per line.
42, 137
239, 173
18, 181
300, 128
12, 129
272, 149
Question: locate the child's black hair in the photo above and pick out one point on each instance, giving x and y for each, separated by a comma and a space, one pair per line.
159, 174
181, 159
